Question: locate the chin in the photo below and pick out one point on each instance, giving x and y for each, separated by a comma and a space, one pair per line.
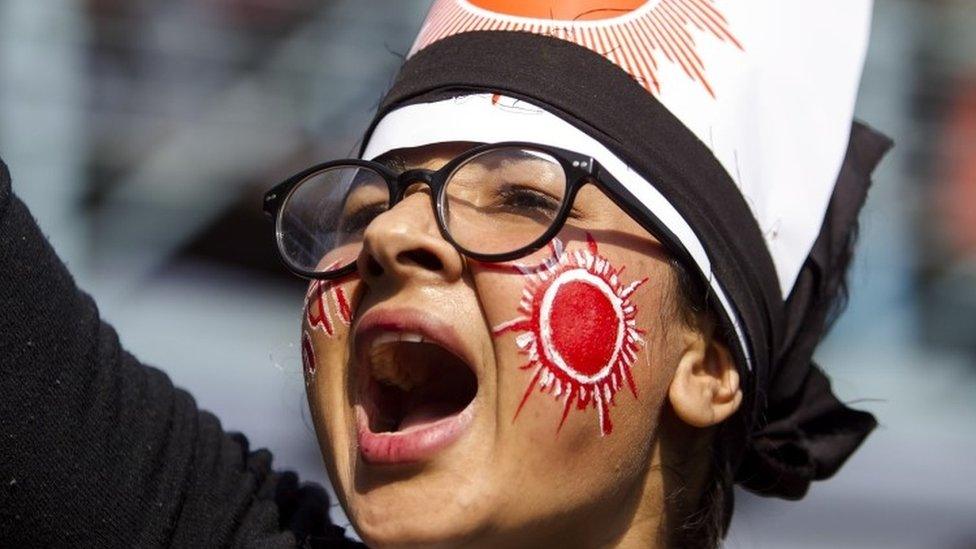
445, 501
446, 507
417, 428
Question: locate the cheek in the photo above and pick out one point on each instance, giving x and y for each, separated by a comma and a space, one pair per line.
576, 331
327, 313
326, 316
327, 306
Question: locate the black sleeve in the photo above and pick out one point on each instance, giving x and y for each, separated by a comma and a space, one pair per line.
98, 450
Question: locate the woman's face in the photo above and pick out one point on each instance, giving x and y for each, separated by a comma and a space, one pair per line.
461, 402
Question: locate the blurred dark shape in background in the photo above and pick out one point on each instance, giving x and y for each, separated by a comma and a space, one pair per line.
142, 134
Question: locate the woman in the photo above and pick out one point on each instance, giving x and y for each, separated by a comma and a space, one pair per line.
594, 323
571, 298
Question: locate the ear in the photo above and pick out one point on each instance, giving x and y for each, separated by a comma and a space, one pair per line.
705, 388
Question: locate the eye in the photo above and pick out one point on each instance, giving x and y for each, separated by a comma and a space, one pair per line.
522, 198
356, 220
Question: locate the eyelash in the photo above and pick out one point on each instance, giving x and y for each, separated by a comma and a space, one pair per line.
359, 219
536, 199
548, 202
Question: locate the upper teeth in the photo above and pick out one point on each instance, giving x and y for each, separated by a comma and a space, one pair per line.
392, 337
385, 363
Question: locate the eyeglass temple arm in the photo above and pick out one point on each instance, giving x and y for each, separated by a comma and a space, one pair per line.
622, 197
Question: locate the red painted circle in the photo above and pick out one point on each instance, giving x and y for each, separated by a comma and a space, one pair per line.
584, 326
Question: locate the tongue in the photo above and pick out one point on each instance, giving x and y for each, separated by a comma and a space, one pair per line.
425, 413
426, 384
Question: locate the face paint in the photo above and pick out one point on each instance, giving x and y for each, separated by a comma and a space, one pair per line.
578, 330
317, 308
320, 315
308, 355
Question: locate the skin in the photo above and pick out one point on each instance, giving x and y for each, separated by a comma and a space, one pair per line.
519, 483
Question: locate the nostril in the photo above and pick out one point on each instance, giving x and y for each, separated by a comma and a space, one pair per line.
421, 258
373, 267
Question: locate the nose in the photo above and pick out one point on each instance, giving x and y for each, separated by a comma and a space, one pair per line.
403, 244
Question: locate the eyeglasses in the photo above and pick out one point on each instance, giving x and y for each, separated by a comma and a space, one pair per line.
494, 202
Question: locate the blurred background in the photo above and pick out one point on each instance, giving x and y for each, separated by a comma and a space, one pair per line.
142, 133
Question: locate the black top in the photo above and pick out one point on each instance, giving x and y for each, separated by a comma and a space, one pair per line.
98, 450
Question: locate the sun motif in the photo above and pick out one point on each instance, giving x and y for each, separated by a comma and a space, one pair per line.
638, 37
578, 329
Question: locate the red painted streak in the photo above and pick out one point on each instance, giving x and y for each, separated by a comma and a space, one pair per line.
527, 394
339, 294
590, 245
308, 354
318, 313
566, 408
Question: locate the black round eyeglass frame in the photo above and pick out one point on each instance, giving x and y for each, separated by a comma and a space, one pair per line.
579, 169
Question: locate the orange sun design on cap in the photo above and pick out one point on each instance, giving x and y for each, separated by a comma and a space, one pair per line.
633, 34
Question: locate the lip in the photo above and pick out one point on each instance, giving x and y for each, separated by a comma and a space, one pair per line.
418, 443
413, 444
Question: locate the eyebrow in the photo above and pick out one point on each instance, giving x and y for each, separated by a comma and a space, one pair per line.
398, 164
394, 162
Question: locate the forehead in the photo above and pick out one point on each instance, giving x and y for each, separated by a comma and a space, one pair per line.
428, 157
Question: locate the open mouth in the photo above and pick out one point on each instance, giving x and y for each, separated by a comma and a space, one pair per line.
415, 392
414, 383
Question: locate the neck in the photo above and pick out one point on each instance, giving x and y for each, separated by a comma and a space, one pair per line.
672, 488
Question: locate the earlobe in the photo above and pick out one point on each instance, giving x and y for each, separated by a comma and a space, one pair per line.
705, 388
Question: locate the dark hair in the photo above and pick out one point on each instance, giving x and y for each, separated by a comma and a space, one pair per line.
707, 525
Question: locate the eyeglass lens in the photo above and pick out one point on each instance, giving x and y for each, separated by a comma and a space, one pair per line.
498, 201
